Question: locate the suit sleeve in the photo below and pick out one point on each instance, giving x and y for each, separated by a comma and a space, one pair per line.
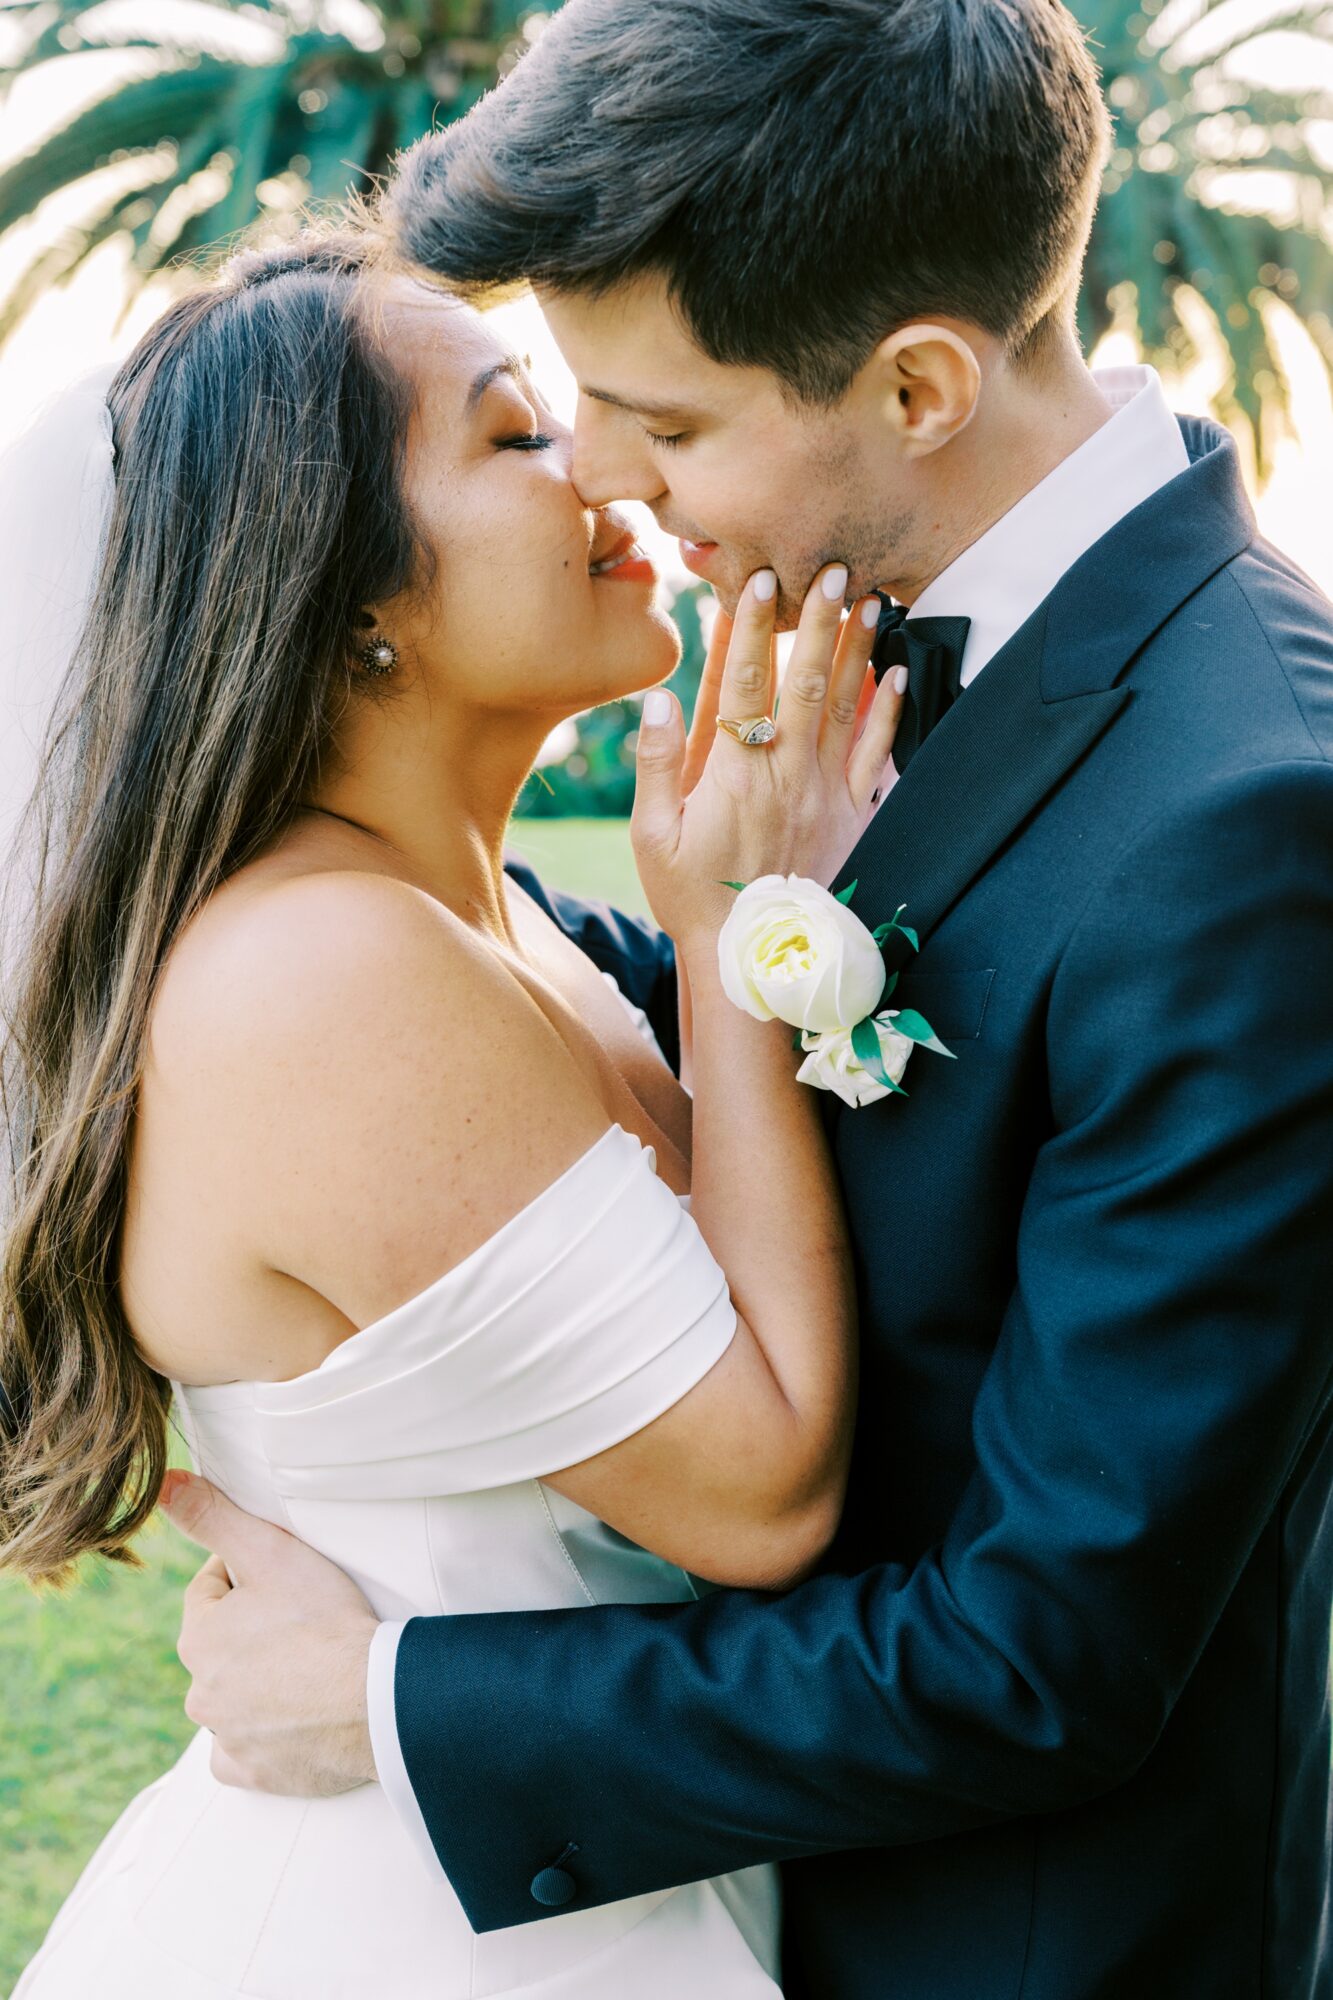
1164, 1358
640, 958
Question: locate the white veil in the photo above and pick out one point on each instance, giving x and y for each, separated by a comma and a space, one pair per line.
57, 485
56, 488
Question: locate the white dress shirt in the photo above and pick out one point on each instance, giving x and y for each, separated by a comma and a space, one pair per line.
997, 583
1001, 579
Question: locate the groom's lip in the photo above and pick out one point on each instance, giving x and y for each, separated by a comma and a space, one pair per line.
697, 556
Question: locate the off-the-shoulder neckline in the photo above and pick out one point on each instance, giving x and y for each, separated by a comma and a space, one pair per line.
341, 1355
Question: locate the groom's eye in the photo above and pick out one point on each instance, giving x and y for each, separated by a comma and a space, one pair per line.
525, 441
656, 437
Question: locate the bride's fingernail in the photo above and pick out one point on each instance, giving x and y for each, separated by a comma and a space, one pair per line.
900, 680
656, 708
870, 613
834, 584
765, 585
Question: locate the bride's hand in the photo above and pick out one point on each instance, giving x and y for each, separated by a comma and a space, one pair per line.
709, 814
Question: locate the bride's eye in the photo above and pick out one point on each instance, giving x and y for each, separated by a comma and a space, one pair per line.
526, 441
656, 437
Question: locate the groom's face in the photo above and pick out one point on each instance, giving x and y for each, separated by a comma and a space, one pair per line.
744, 477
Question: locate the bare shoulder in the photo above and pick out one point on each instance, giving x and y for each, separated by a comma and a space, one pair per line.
324, 947
379, 1085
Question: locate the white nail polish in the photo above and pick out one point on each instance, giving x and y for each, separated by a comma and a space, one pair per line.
765, 585
656, 708
900, 680
870, 613
834, 585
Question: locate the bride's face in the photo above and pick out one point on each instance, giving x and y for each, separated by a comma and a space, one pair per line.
538, 604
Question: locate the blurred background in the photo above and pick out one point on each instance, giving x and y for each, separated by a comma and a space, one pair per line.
136, 134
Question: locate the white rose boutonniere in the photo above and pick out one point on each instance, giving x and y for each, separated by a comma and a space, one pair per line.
831, 1062
792, 951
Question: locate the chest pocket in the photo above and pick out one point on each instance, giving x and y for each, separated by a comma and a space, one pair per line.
953, 1002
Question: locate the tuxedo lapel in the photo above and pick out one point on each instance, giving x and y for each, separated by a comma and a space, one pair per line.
972, 783
1048, 695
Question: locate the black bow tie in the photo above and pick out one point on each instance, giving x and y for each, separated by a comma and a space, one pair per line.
931, 649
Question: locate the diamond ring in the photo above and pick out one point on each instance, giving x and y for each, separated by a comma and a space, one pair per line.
754, 732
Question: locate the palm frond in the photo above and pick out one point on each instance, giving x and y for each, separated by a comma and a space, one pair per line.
308, 115
1188, 198
139, 117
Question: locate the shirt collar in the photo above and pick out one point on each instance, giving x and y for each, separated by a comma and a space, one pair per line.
1001, 579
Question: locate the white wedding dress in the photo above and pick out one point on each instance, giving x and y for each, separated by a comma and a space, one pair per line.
413, 1457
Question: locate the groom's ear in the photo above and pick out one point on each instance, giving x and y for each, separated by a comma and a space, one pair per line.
930, 380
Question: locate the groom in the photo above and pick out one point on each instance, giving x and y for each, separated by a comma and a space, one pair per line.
1052, 1721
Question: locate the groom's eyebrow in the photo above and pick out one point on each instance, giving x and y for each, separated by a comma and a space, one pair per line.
661, 413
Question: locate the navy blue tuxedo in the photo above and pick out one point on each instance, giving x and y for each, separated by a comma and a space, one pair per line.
1052, 1721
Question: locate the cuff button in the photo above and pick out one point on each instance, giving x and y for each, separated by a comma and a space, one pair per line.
555, 1885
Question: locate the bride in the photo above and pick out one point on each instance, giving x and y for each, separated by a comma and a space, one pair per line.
322, 1127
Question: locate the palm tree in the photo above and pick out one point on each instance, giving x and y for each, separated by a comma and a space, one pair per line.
231, 111
1215, 184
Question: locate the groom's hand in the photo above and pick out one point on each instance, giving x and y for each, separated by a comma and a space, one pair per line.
275, 1641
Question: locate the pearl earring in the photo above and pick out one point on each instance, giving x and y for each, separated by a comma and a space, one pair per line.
379, 656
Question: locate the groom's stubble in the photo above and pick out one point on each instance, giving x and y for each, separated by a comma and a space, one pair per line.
841, 513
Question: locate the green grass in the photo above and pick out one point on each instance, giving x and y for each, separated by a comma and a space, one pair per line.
92, 1687
592, 857
92, 1702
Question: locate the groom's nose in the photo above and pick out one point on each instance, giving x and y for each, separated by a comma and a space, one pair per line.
611, 460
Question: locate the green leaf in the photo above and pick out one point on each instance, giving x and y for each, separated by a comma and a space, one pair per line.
917, 1029
319, 104
906, 931
880, 932
866, 1048
889, 985
137, 118
1187, 198
737, 886
845, 895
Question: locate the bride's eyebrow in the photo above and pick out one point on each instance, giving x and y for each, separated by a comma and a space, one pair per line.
511, 365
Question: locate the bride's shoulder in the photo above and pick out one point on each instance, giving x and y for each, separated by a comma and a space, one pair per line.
377, 1093
333, 994
324, 951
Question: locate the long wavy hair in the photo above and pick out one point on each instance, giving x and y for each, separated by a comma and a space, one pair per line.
260, 437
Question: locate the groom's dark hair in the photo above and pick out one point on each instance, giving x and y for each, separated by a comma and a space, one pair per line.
805, 174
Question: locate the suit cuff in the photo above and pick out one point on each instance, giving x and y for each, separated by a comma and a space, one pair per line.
381, 1714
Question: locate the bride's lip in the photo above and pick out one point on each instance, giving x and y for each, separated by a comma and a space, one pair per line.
697, 556
624, 562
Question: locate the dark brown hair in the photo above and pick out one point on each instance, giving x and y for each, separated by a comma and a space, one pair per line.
806, 174
259, 445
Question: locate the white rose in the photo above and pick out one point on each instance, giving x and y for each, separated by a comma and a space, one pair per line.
831, 1063
790, 951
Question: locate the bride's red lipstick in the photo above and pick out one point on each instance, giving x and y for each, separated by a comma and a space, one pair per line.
633, 570
625, 562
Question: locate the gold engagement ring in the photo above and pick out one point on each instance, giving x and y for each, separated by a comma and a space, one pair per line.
754, 732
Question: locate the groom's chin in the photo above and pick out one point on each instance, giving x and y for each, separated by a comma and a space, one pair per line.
729, 596
789, 610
